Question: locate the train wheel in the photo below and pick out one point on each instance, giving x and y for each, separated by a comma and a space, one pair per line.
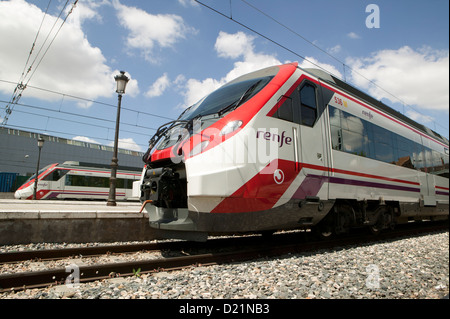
375, 229
385, 220
324, 231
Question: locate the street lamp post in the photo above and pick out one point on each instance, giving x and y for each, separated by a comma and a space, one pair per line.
121, 81
40, 144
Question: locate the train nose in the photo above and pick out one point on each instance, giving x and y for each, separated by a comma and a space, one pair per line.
22, 194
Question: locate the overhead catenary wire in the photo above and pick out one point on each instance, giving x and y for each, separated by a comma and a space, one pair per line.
21, 127
21, 86
78, 115
46, 112
65, 95
26, 67
299, 55
54, 37
322, 50
66, 132
231, 17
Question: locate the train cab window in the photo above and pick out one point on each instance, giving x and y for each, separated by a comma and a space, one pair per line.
308, 108
55, 175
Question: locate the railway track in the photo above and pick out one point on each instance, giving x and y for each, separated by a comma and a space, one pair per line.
51, 254
250, 248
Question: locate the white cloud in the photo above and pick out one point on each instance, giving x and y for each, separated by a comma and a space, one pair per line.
311, 62
148, 30
69, 56
417, 77
124, 143
128, 144
419, 117
186, 3
353, 35
232, 46
159, 86
85, 10
240, 46
336, 49
85, 139
197, 89
179, 79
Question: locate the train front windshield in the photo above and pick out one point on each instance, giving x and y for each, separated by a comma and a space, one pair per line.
39, 173
227, 97
211, 108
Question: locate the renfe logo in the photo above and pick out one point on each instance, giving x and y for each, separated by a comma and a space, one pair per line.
280, 139
278, 176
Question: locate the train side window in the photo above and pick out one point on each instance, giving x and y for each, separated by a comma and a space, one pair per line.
428, 167
290, 107
384, 149
120, 182
308, 108
335, 128
445, 160
285, 111
359, 137
405, 152
354, 135
437, 163
419, 158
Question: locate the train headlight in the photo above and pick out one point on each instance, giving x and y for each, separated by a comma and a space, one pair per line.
199, 148
231, 127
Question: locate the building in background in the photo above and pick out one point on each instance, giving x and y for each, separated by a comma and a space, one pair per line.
19, 154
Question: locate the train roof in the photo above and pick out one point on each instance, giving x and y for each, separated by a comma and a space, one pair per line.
96, 165
326, 77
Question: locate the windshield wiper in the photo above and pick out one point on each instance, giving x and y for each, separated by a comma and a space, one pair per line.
238, 102
160, 132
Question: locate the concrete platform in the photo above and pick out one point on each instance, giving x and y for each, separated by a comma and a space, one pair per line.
36, 221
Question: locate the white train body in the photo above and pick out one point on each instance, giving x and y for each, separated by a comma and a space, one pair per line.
70, 180
298, 148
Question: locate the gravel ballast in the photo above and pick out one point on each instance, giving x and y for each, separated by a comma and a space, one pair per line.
411, 268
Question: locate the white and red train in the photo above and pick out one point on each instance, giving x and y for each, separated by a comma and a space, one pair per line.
285, 148
74, 180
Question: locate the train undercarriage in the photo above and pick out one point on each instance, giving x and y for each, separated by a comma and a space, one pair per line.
376, 215
166, 188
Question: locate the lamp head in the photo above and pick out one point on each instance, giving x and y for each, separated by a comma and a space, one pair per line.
40, 142
121, 81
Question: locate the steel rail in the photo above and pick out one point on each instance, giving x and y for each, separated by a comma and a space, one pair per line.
49, 254
26, 280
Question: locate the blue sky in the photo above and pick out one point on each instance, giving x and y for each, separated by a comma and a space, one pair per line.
176, 51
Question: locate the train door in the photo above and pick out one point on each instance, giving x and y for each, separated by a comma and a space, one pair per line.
313, 142
60, 181
55, 182
429, 197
